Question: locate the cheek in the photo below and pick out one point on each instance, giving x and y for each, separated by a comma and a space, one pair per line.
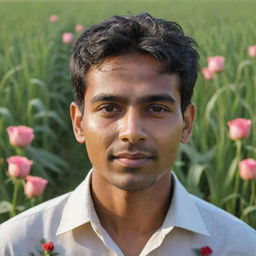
95, 148
97, 138
171, 145
170, 140
170, 132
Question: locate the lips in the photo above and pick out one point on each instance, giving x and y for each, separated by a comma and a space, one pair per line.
132, 155
132, 159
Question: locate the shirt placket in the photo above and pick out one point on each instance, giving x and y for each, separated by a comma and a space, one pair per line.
155, 241
107, 240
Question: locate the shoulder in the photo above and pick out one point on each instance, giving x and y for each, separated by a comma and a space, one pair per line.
223, 224
36, 211
32, 224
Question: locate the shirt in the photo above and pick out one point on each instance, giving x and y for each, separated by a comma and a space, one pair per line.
71, 223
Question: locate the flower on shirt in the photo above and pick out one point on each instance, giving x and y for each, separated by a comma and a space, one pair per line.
203, 251
46, 249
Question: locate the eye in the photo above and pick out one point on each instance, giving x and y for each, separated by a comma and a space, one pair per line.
110, 108
157, 109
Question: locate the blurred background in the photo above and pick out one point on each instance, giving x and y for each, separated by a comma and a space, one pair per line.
35, 90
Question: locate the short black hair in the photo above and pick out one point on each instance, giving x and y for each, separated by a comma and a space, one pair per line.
144, 34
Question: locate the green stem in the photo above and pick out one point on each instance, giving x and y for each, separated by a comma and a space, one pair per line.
20, 151
252, 197
237, 176
238, 149
14, 198
32, 202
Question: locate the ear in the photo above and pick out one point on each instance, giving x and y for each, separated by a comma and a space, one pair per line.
77, 117
188, 120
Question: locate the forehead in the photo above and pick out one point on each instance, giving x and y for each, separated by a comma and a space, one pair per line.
132, 75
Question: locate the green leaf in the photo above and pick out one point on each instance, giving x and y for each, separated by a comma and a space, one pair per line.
6, 115
195, 156
9, 74
195, 174
197, 252
50, 114
47, 159
212, 102
21, 208
241, 66
231, 173
5, 206
250, 148
46, 130
248, 210
230, 197
43, 241
36, 103
38, 82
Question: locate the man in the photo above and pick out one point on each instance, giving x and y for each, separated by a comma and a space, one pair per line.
133, 80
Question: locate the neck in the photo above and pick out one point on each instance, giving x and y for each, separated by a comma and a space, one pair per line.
124, 212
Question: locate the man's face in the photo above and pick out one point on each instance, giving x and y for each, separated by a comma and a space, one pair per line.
132, 122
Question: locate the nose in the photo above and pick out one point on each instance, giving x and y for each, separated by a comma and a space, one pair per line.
131, 127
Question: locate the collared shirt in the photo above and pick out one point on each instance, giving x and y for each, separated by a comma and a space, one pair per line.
71, 223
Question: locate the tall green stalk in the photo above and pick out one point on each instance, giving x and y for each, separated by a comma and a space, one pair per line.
236, 201
252, 193
17, 183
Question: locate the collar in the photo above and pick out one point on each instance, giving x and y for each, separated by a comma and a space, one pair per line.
182, 213
78, 209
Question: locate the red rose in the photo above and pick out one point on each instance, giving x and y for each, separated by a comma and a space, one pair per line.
48, 247
206, 250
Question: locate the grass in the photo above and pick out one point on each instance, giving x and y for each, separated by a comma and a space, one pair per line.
35, 91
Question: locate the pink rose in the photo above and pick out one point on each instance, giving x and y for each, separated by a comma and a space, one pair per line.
252, 51
247, 169
34, 186
53, 18
239, 128
20, 136
79, 28
18, 166
67, 38
208, 74
216, 63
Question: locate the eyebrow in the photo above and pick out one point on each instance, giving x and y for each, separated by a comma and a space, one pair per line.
149, 98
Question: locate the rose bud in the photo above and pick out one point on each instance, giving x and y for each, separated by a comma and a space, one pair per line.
53, 18
216, 63
79, 28
67, 38
206, 250
18, 166
34, 186
252, 51
239, 128
247, 169
208, 74
48, 247
20, 136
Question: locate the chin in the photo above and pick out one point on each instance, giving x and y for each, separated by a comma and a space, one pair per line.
133, 182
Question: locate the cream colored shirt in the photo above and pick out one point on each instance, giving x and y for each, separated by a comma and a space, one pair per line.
71, 223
